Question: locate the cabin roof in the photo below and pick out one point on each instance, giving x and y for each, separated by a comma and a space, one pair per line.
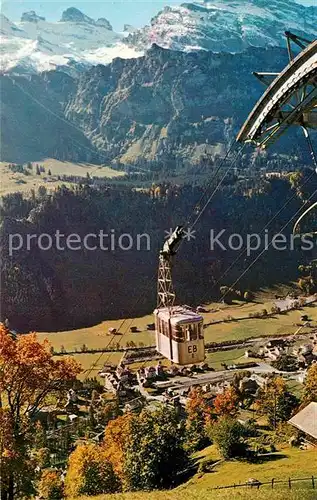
306, 420
179, 314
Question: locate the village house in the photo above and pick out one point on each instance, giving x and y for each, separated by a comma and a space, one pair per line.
124, 374
248, 385
273, 349
305, 354
133, 405
159, 369
149, 374
306, 422
111, 383
173, 371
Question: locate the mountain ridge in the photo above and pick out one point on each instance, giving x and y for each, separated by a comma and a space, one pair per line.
226, 25
34, 44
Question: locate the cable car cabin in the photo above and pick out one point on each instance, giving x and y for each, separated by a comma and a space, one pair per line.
179, 335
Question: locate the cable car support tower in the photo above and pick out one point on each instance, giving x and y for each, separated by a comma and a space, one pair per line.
290, 99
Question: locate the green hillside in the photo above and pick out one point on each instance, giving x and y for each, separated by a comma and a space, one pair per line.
217, 495
285, 464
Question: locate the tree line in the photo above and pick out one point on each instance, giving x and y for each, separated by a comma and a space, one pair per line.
73, 289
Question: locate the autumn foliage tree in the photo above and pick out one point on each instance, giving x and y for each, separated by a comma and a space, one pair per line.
228, 435
275, 401
28, 376
146, 450
116, 441
199, 413
16, 465
310, 385
89, 472
155, 452
50, 485
226, 403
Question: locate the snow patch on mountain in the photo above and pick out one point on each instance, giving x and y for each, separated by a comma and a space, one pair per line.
73, 44
226, 25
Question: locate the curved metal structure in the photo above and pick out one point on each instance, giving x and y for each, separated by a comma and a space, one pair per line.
290, 99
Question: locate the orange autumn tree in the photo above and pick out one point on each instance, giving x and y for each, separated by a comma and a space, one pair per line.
115, 441
226, 403
90, 472
50, 485
199, 414
275, 401
28, 376
310, 385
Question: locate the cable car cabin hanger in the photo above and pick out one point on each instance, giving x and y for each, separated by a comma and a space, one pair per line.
179, 330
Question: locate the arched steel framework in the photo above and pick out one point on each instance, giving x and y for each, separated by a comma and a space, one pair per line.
290, 99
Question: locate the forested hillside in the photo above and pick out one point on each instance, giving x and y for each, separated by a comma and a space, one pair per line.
56, 289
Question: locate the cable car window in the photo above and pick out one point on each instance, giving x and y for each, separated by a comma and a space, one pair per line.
178, 333
194, 334
166, 329
163, 326
191, 333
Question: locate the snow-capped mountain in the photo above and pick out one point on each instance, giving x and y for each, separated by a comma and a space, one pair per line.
75, 42
227, 25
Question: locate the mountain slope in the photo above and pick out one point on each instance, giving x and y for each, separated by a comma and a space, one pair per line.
226, 25
169, 107
166, 109
32, 121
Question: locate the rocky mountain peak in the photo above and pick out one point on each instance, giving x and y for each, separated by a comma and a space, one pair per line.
129, 28
226, 25
75, 16
31, 17
102, 21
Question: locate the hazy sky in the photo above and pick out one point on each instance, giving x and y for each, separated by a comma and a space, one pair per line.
135, 12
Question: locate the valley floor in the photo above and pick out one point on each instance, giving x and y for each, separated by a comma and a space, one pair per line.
223, 323
12, 182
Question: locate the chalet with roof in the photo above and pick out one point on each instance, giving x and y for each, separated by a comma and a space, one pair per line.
306, 422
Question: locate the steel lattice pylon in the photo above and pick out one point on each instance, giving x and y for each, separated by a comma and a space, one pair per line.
165, 290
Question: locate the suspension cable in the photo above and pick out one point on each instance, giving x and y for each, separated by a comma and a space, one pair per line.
197, 206
194, 223
311, 147
266, 247
314, 160
263, 229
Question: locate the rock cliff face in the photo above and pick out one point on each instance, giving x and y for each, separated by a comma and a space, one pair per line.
168, 105
166, 109
73, 15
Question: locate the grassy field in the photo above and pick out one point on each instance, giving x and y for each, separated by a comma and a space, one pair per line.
90, 362
212, 495
97, 336
15, 182
287, 463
